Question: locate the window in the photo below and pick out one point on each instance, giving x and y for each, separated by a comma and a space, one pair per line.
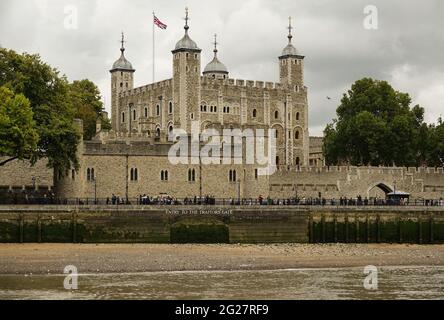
192, 116
158, 132
297, 115
296, 135
146, 112
123, 117
191, 175
158, 110
276, 133
195, 56
256, 174
164, 175
254, 113
90, 174
134, 114
134, 174
170, 108
277, 160
276, 114
215, 109
121, 84
232, 176
211, 109
298, 161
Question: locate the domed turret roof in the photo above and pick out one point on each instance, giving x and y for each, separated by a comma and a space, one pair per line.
290, 49
122, 63
186, 43
215, 66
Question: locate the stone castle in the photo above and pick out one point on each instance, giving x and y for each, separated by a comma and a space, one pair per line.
132, 158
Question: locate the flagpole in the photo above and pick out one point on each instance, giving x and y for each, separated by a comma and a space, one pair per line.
154, 52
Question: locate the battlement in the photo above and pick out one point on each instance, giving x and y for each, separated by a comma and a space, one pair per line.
149, 87
251, 84
355, 169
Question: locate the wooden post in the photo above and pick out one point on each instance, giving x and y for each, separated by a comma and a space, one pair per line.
431, 228
74, 227
400, 228
323, 227
310, 229
378, 228
419, 229
367, 227
39, 229
335, 228
357, 228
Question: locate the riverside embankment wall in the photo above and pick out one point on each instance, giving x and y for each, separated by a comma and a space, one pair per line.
261, 224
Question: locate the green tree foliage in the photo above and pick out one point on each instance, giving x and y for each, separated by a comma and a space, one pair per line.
375, 125
86, 100
48, 94
18, 134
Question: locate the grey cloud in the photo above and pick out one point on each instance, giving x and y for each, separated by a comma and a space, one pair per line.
406, 50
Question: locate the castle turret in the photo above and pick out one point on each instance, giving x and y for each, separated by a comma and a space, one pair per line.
291, 63
215, 69
122, 79
186, 79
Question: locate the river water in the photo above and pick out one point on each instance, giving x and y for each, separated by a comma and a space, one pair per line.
299, 284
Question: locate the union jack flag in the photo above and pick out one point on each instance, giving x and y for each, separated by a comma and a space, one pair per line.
159, 23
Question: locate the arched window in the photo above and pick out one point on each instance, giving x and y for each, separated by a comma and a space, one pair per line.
276, 114
297, 115
162, 175
298, 161
93, 177
123, 117
136, 174
215, 109
254, 113
132, 174
276, 134
121, 84
170, 107
194, 175
158, 110
232, 175
158, 132
296, 135
166, 175
88, 174
134, 114
211, 108
277, 160
170, 133
146, 112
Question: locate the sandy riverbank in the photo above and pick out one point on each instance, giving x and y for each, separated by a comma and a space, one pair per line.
109, 258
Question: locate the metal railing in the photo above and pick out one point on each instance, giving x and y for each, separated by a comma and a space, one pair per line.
210, 201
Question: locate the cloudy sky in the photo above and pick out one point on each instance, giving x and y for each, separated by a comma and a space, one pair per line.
407, 49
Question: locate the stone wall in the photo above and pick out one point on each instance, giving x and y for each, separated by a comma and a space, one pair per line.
220, 224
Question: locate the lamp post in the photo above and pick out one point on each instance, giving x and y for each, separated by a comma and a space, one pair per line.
95, 189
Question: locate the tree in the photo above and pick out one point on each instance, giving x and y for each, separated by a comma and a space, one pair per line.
18, 133
376, 126
436, 145
86, 100
48, 95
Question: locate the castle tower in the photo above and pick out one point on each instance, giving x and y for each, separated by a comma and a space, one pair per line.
186, 79
122, 79
215, 69
291, 63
